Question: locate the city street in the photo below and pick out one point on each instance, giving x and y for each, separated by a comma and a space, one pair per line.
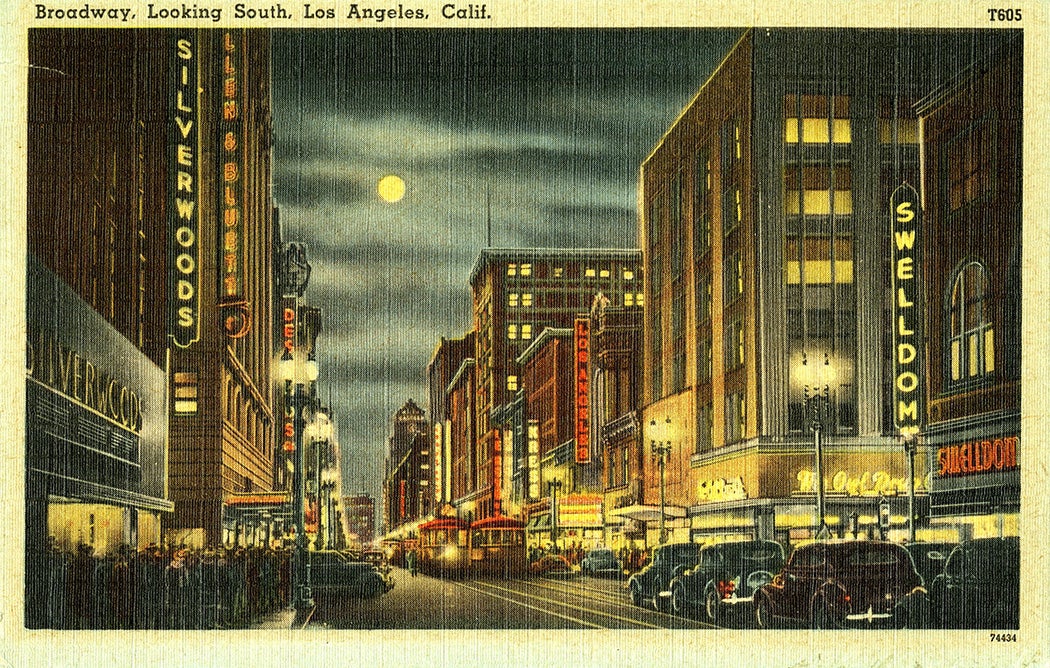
531, 602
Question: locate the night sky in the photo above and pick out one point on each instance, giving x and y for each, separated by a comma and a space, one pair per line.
538, 133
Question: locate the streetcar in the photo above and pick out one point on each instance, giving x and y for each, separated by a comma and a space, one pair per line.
443, 547
497, 547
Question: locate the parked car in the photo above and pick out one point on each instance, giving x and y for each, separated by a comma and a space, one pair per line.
601, 562
652, 583
333, 572
843, 584
553, 566
929, 558
726, 577
980, 586
377, 558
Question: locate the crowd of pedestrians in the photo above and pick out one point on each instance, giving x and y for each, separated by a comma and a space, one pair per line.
156, 588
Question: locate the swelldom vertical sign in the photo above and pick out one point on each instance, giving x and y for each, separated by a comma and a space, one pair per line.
906, 216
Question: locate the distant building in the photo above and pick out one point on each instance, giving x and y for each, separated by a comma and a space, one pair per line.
445, 362
516, 294
971, 242
406, 484
360, 511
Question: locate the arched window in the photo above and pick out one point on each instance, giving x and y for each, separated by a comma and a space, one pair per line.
971, 337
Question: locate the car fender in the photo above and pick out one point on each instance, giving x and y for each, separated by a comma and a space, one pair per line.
830, 591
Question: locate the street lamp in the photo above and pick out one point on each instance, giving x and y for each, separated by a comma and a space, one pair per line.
320, 432
552, 487
910, 446
817, 381
296, 372
661, 449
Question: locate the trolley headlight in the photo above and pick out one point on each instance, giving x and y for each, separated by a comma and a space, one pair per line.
451, 552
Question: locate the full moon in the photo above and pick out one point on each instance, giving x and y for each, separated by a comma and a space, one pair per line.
391, 188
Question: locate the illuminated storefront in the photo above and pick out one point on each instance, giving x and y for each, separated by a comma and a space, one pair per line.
774, 496
96, 448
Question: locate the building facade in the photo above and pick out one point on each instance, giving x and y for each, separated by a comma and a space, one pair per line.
406, 485
971, 140
360, 513
445, 362
221, 283
765, 226
96, 363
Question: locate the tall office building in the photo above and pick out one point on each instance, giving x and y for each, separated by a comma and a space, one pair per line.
769, 331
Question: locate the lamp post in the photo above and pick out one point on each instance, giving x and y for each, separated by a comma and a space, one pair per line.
296, 373
816, 391
320, 432
661, 450
552, 487
910, 446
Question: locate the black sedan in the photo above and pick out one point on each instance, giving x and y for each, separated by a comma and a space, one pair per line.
980, 586
332, 572
652, 583
601, 562
726, 578
834, 584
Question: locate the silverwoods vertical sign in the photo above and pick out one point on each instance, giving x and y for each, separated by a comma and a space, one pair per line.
183, 196
906, 216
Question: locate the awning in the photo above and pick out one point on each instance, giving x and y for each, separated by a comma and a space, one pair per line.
647, 513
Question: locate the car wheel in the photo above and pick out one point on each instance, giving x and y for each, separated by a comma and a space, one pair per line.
823, 616
712, 605
914, 613
763, 613
636, 595
678, 602
659, 602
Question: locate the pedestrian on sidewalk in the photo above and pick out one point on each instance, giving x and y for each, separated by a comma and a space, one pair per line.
410, 562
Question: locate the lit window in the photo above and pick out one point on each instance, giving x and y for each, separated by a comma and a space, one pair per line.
604, 273
816, 266
512, 270
526, 270
512, 383
818, 202
558, 272
512, 299
971, 335
639, 299
512, 331
526, 331
526, 299
628, 275
185, 393
628, 299
589, 273
906, 129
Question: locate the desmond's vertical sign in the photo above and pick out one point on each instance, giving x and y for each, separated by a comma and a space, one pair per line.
908, 406
581, 334
183, 203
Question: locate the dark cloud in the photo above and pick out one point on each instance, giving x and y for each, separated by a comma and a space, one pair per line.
518, 138
306, 188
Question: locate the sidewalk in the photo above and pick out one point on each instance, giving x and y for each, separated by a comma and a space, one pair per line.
285, 618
